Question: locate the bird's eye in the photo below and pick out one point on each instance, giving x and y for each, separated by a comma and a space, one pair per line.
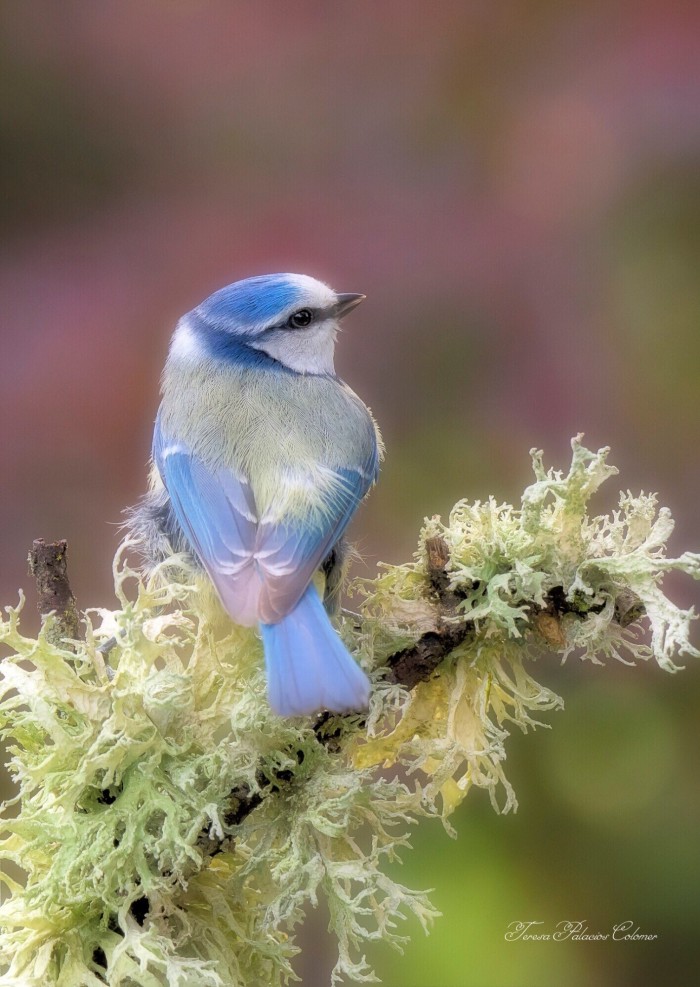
300, 319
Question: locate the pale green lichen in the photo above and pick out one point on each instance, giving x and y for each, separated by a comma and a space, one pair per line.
141, 869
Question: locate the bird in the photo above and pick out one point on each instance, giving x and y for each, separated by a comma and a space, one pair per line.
261, 455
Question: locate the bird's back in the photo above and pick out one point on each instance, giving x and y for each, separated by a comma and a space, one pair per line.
263, 423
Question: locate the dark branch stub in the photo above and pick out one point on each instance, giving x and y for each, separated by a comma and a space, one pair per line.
417, 663
47, 564
438, 558
628, 608
547, 620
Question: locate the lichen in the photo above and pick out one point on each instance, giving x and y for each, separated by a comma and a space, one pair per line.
172, 830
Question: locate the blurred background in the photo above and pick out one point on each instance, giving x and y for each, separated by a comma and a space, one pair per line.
515, 187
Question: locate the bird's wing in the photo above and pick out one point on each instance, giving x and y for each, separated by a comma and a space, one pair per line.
290, 549
259, 566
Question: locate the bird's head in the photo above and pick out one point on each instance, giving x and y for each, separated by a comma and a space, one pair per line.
291, 317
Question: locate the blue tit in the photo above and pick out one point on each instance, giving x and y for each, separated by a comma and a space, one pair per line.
261, 455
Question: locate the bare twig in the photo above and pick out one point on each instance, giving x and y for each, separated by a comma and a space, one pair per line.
47, 563
628, 608
438, 553
417, 663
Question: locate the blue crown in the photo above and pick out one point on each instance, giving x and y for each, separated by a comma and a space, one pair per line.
251, 301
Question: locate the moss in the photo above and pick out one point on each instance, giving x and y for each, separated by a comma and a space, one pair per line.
172, 829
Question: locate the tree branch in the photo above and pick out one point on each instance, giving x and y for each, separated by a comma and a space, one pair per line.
407, 667
417, 663
48, 566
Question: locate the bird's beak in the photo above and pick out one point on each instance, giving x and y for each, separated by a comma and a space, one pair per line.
346, 303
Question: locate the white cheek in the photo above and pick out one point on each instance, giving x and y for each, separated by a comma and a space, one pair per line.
308, 351
185, 346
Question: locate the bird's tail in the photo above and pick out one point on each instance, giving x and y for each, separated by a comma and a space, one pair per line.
308, 666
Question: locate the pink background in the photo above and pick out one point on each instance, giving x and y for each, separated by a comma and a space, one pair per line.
514, 186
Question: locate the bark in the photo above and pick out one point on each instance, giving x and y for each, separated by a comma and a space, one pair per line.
48, 566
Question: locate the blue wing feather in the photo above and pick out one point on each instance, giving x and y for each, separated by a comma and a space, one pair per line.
260, 569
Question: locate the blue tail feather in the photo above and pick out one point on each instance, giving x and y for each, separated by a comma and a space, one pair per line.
308, 666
